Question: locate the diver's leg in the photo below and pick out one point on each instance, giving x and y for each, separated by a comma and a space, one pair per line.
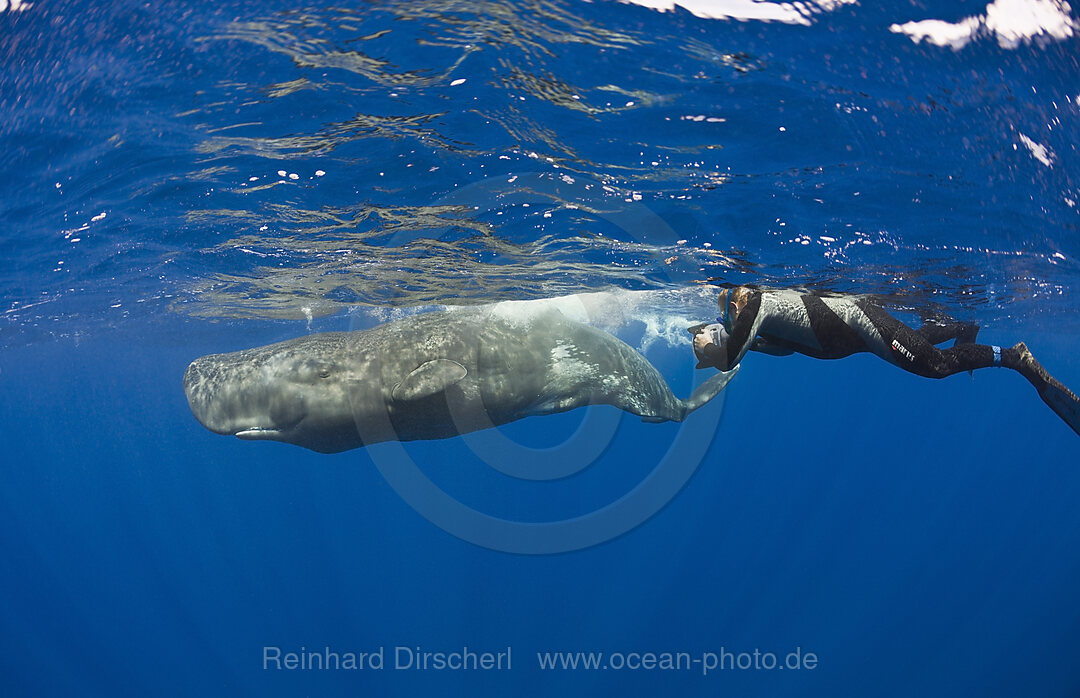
936, 333
967, 334
927, 360
912, 351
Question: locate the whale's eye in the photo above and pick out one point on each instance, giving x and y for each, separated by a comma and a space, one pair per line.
312, 370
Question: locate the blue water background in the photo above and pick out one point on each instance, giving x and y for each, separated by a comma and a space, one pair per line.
920, 537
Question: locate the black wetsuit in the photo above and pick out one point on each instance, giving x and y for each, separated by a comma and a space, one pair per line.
831, 327
783, 322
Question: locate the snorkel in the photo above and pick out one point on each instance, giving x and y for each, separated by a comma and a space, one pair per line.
724, 302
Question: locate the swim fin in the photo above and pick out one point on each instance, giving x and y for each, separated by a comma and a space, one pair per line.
1064, 402
1060, 399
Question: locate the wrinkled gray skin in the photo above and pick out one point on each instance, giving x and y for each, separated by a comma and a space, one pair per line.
430, 376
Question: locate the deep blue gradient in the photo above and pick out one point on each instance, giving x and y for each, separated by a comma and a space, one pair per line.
919, 537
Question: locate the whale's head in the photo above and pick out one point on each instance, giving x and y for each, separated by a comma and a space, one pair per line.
283, 392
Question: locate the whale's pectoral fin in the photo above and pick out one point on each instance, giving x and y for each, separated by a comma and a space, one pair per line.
428, 379
708, 390
704, 393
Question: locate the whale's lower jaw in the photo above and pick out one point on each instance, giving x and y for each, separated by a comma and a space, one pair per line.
334, 442
260, 434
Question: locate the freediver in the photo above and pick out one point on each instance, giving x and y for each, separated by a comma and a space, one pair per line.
782, 322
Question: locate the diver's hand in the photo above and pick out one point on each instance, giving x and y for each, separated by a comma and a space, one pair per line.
710, 334
702, 340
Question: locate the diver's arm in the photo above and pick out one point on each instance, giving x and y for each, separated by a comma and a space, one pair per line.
715, 347
710, 353
743, 331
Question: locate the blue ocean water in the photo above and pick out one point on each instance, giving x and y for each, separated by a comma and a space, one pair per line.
188, 179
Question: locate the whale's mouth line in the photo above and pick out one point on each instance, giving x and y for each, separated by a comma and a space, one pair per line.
255, 433
267, 433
